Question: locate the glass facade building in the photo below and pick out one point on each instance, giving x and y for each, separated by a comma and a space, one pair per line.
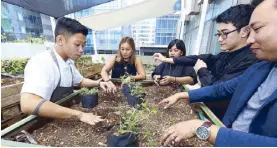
149, 32
18, 22
166, 26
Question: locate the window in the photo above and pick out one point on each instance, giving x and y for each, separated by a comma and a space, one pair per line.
23, 30
19, 15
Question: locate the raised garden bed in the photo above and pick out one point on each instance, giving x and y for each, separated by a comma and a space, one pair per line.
69, 132
5, 81
10, 107
90, 71
11, 87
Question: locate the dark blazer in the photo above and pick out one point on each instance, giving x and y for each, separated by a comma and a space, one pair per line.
263, 128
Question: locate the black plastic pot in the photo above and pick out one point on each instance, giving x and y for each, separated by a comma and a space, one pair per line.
124, 140
134, 101
126, 90
89, 101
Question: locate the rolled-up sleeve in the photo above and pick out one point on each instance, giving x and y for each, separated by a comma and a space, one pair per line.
228, 137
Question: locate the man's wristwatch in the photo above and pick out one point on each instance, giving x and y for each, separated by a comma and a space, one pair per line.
203, 132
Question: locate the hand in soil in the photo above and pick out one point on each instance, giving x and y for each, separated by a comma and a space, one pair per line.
90, 118
110, 87
172, 99
103, 85
180, 131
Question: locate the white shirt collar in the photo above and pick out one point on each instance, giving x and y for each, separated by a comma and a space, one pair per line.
61, 60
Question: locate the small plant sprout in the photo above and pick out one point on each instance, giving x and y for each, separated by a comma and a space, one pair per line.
131, 119
126, 79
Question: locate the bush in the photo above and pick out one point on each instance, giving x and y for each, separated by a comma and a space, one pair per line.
29, 39
15, 66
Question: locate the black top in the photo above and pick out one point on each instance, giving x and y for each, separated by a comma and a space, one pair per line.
119, 69
167, 69
221, 67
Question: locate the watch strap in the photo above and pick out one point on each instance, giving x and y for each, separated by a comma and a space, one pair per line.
207, 124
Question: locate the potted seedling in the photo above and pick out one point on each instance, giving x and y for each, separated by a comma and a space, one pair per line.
137, 95
133, 91
125, 134
126, 82
89, 97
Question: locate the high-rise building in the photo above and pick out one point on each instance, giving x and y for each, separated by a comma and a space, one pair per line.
18, 22
106, 41
154, 32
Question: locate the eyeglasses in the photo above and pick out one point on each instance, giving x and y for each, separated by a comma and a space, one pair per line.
224, 34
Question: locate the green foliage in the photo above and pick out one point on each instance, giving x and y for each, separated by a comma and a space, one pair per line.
131, 119
151, 142
126, 79
85, 91
136, 87
39, 40
137, 90
84, 61
103, 59
15, 66
4, 37
29, 39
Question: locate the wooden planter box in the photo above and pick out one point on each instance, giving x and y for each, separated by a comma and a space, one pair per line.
89, 72
32, 122
10, 104
10, 97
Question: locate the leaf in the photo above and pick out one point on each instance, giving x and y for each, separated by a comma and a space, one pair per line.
154, 111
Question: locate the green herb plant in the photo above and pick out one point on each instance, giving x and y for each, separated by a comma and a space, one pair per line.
131, 119
126, 79
85, 91
151, 142
137, 90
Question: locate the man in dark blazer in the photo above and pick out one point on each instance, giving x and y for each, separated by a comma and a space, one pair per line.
250, 119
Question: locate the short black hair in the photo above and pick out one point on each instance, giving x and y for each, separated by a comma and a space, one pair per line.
255, 3
68, 26
238, 15
179, 45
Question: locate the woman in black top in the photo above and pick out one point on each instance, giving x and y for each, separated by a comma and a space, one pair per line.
124, 63
167, 73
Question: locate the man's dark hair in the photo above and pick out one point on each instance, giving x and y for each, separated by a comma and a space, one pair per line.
179, 45
255, 3
238, 15
67, 26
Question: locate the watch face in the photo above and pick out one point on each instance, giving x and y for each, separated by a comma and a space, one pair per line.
202, 133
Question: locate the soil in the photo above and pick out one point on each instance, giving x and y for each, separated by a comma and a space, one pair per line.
5, 81
73, 133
